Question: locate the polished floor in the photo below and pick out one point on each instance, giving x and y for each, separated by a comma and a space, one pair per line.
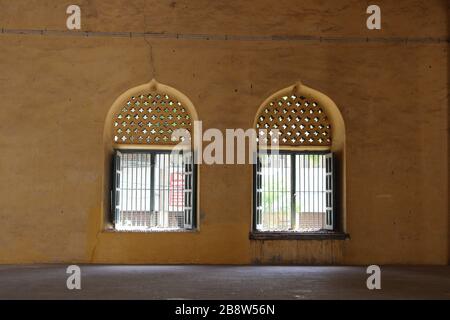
222, 282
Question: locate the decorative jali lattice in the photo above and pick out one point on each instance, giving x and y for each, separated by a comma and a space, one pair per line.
151, 119
296, 121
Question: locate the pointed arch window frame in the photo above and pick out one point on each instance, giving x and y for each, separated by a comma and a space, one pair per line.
335, 150
114, 150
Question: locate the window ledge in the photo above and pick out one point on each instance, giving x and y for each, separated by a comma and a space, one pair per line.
320, 235
150, 231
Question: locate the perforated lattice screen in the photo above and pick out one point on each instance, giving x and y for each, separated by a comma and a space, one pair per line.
150, 119
299, 121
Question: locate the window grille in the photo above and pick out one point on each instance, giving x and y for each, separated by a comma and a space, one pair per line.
153, 190
150, 119
294, 192
299, 121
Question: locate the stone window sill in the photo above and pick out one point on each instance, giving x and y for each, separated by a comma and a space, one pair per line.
320, 235
150, 231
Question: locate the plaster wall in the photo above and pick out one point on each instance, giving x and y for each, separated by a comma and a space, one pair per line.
55, 93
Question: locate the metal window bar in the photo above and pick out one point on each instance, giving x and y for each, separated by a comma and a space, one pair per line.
258, 180
153, 190
188, 190
293, 192
329, 194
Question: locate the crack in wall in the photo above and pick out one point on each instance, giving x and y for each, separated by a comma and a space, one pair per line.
94, 249
152, 65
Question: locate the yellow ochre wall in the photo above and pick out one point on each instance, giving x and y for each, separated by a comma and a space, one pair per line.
56, 90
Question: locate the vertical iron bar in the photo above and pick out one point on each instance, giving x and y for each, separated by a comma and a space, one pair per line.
152, 184
174, 178
318, 189
145, 190
184, 176
277, 193
179, 192
136, 189
139, 166
121, 184
170, 186
322, 188
293, 222
126, 190
314, 188
272, 187
296, 188
130, 213
309, 186
162, 169
285, 193
304, 190
163, 187
264, 186
157, 188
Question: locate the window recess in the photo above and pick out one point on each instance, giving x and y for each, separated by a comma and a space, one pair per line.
294, 192
153, 191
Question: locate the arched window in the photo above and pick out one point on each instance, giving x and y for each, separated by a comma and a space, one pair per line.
300, 137
153, 182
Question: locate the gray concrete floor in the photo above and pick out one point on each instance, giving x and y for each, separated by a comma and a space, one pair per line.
222, 282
